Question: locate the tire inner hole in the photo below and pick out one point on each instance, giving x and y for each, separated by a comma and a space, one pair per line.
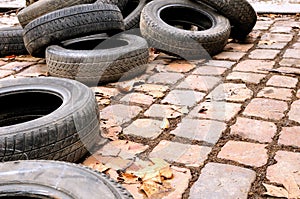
185, 18
94, 43
130, 7
22, 107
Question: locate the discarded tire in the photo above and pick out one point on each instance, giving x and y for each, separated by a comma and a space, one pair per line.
167, 25
132, 13
47, 118
54, 179
120, 3
11, 41
72, 22
43, 7
91, 62
240, 13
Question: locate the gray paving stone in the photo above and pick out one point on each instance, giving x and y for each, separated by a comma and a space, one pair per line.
200, 83
147, 128
119, 113
165, 78
190, 155
220, 63
201, 130
222, 181
164, 111
294, 113
183, 97
231, 92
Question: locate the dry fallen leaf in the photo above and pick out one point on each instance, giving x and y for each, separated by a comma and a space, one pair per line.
292, 188
155, 190
275, 191
266, 42
165, 124
94, 163
127, 178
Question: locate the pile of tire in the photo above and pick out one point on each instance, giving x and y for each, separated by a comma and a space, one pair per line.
92, 42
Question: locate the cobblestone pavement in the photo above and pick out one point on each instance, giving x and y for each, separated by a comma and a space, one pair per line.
227, 126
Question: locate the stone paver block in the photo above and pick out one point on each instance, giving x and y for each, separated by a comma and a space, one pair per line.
294, 113
183, 97
164, 111
180, 66
272, 45
253, 78
256, 66
122, 148
105, 91
262, 25
232, 56
290, 62
165, 78
220, 63
5, 73
277, 37
296, 45
201, 130
147, 128
209, 70
200, 83
263, 54
266, 108
223, 111
2, 63
292, 53
17, 66
282, 81
238, 47
231, 92
289, 70
119, 113
276, 93
222, 181
281, 29
254, 129
298, 94
139, 98
190, 155
286, 168
34, 71
290, 136
179, 182
245, 153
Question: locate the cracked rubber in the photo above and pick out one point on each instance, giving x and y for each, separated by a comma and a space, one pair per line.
69, 23
11, 41
240, 13
55, 179
93, 62
214, 29
43, 7
47, 118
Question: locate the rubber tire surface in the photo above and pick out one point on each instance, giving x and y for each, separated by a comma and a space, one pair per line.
240, 13
120, 3
57, 179
11, 41
66, 133
132, 20
72, 22
43, 7
185, 43
97, 66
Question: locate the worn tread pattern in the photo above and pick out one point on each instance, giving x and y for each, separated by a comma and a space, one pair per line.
120, 3
240, 13
11, 41
98, 66
133, 19
92, 183
43, 7
74, 127
187, 44
72, 22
